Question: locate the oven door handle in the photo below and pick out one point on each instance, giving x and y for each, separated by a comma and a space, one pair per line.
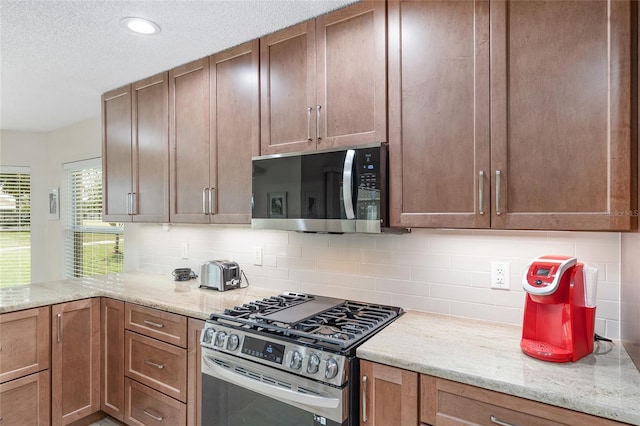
270, 390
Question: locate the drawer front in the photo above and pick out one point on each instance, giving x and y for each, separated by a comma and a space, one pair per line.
156, 364
165, 326
145, 406
26, 401
24, 343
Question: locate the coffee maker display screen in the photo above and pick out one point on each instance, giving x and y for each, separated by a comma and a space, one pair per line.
543, 272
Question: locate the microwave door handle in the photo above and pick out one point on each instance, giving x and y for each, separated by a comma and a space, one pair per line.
347, 184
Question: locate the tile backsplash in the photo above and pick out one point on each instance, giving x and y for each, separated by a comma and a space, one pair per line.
441, 271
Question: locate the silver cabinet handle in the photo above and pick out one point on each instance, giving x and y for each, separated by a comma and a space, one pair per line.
364, 399
212, 207
153, 364
204, 200
347, 183
59, 328
498, 201
309, 123
153, 416
129, 203
134, 197
481, 192
154, 324
497, 421
318, 121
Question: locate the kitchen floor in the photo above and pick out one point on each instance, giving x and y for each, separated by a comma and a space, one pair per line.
107, 421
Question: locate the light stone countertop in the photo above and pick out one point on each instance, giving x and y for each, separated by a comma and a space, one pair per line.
605, 383
484, 354
152, 290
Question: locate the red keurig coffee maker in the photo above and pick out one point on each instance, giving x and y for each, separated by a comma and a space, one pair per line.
558, 325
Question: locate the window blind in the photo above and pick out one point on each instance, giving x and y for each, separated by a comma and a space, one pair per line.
92, 247
15, 226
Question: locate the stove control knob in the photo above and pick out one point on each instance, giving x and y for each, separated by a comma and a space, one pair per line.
233, 342
207, 337
313, 364
220, 338
331, 370
296, 360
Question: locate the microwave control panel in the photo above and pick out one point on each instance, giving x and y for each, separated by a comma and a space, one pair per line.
368, 181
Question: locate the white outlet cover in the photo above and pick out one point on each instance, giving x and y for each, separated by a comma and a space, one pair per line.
500, 275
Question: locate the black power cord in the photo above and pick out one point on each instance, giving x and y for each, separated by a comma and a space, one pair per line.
598, 338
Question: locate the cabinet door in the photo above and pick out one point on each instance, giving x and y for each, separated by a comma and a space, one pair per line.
24, 343
288, 98
560, 114
235, 130
112, 357
351, 75
439, 113
189, 142
150, 101
26, 401
194, 377
389, 395
116, 155
75, 360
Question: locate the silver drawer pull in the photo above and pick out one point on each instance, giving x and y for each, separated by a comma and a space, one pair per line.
497, 421
155, 324
153, 416
153, 364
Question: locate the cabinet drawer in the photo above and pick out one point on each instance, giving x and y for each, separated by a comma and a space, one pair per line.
26, 401
24, 343
165, 326
145, 406
156, 364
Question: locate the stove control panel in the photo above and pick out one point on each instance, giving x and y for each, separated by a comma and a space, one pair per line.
328, 367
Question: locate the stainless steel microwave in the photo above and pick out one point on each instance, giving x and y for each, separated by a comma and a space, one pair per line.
337, 191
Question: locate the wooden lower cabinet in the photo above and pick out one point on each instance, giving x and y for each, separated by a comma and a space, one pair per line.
194, 377
112, 358
443, 402
75, 360
24, 343
26, 401
145, 406
389, 395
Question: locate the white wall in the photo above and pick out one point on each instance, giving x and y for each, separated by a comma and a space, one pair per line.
443, 271
45, 154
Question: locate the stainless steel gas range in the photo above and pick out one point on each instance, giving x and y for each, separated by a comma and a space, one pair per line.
287, 360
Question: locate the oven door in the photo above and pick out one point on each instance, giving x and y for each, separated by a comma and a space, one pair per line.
236, 391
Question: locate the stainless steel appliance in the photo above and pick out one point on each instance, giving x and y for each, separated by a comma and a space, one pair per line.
220, 275
287, 360
322, 191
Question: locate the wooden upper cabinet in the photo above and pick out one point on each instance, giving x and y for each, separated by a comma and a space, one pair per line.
323, 82
135, 152
116, 155
150, 101
190, 157
288, 93
527, 129
235, 130
439, 113
560, 115
351, 86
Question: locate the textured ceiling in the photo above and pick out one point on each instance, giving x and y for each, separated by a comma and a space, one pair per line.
58, 57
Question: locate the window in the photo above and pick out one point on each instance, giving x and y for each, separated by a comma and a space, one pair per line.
15, 226
92, 247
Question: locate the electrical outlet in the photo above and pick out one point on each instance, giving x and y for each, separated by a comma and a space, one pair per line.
257, 256
184, 250
500, 275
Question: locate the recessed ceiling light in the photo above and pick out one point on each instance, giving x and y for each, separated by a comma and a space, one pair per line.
140, 26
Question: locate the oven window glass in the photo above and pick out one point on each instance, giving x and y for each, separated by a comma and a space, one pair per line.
228, 404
